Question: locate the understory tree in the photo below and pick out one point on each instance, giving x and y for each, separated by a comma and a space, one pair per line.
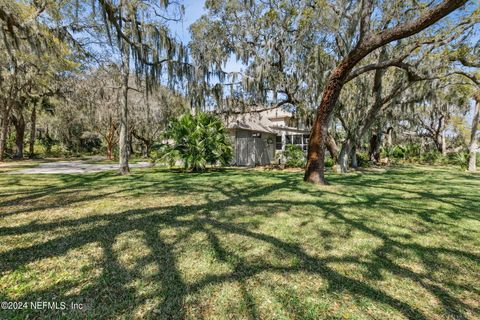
92, 110
465, 60
139, 36
36, 60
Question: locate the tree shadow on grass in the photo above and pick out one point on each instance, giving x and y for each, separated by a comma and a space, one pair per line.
112, 294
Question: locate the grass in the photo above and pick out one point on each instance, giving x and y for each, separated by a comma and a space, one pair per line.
242, 244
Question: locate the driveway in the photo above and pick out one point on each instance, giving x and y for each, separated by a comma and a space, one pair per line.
78, 166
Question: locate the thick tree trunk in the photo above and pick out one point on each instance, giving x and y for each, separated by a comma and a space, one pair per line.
19, 124
315, 168
123, 139
472, 158
33, 128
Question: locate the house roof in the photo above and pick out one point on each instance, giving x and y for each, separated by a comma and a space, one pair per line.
249, 121
261, 121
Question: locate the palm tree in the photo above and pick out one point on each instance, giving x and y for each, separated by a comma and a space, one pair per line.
198, 140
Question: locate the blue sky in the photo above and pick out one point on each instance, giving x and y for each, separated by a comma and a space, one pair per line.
193, 10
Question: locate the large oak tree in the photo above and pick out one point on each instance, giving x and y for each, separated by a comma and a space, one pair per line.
369, 40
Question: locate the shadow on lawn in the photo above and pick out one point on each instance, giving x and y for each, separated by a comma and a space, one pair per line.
114, 296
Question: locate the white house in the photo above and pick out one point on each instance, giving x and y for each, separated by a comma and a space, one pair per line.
259, 135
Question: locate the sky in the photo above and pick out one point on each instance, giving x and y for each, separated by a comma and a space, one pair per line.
194, 10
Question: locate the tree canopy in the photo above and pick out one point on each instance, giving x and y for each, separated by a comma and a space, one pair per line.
352, 71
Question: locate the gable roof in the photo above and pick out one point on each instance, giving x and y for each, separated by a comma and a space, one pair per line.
263, 120
256, 120
249, 121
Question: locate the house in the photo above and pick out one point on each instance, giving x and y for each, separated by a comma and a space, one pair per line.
259, 136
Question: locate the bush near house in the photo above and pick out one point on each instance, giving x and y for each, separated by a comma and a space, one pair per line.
197, 140
294, 156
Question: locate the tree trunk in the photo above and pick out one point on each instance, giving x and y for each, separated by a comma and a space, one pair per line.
148, 147
378, 102
146, 143
332, 147
3, 133
33, 128
130, 144
109, 150
389, 137
110, 139
19, 124
315, 168
123, 139
374, 148
437, 140
343, 157
48, 148
472, 158
353, 157
444, 144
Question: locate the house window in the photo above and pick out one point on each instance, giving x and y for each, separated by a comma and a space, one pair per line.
278, 142
256, 135
297, 139
300, 140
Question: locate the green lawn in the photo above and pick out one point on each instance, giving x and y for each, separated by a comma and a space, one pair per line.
241, 244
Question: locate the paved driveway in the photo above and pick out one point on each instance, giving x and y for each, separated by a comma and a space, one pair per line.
65, 167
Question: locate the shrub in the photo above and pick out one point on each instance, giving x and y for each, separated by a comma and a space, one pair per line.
58, 151
387, 152
409, 152
432, 157
294, 156
412, 151
459, 159
90, 143
197, 140
398, 152
363, 159
47, 143
329, 163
